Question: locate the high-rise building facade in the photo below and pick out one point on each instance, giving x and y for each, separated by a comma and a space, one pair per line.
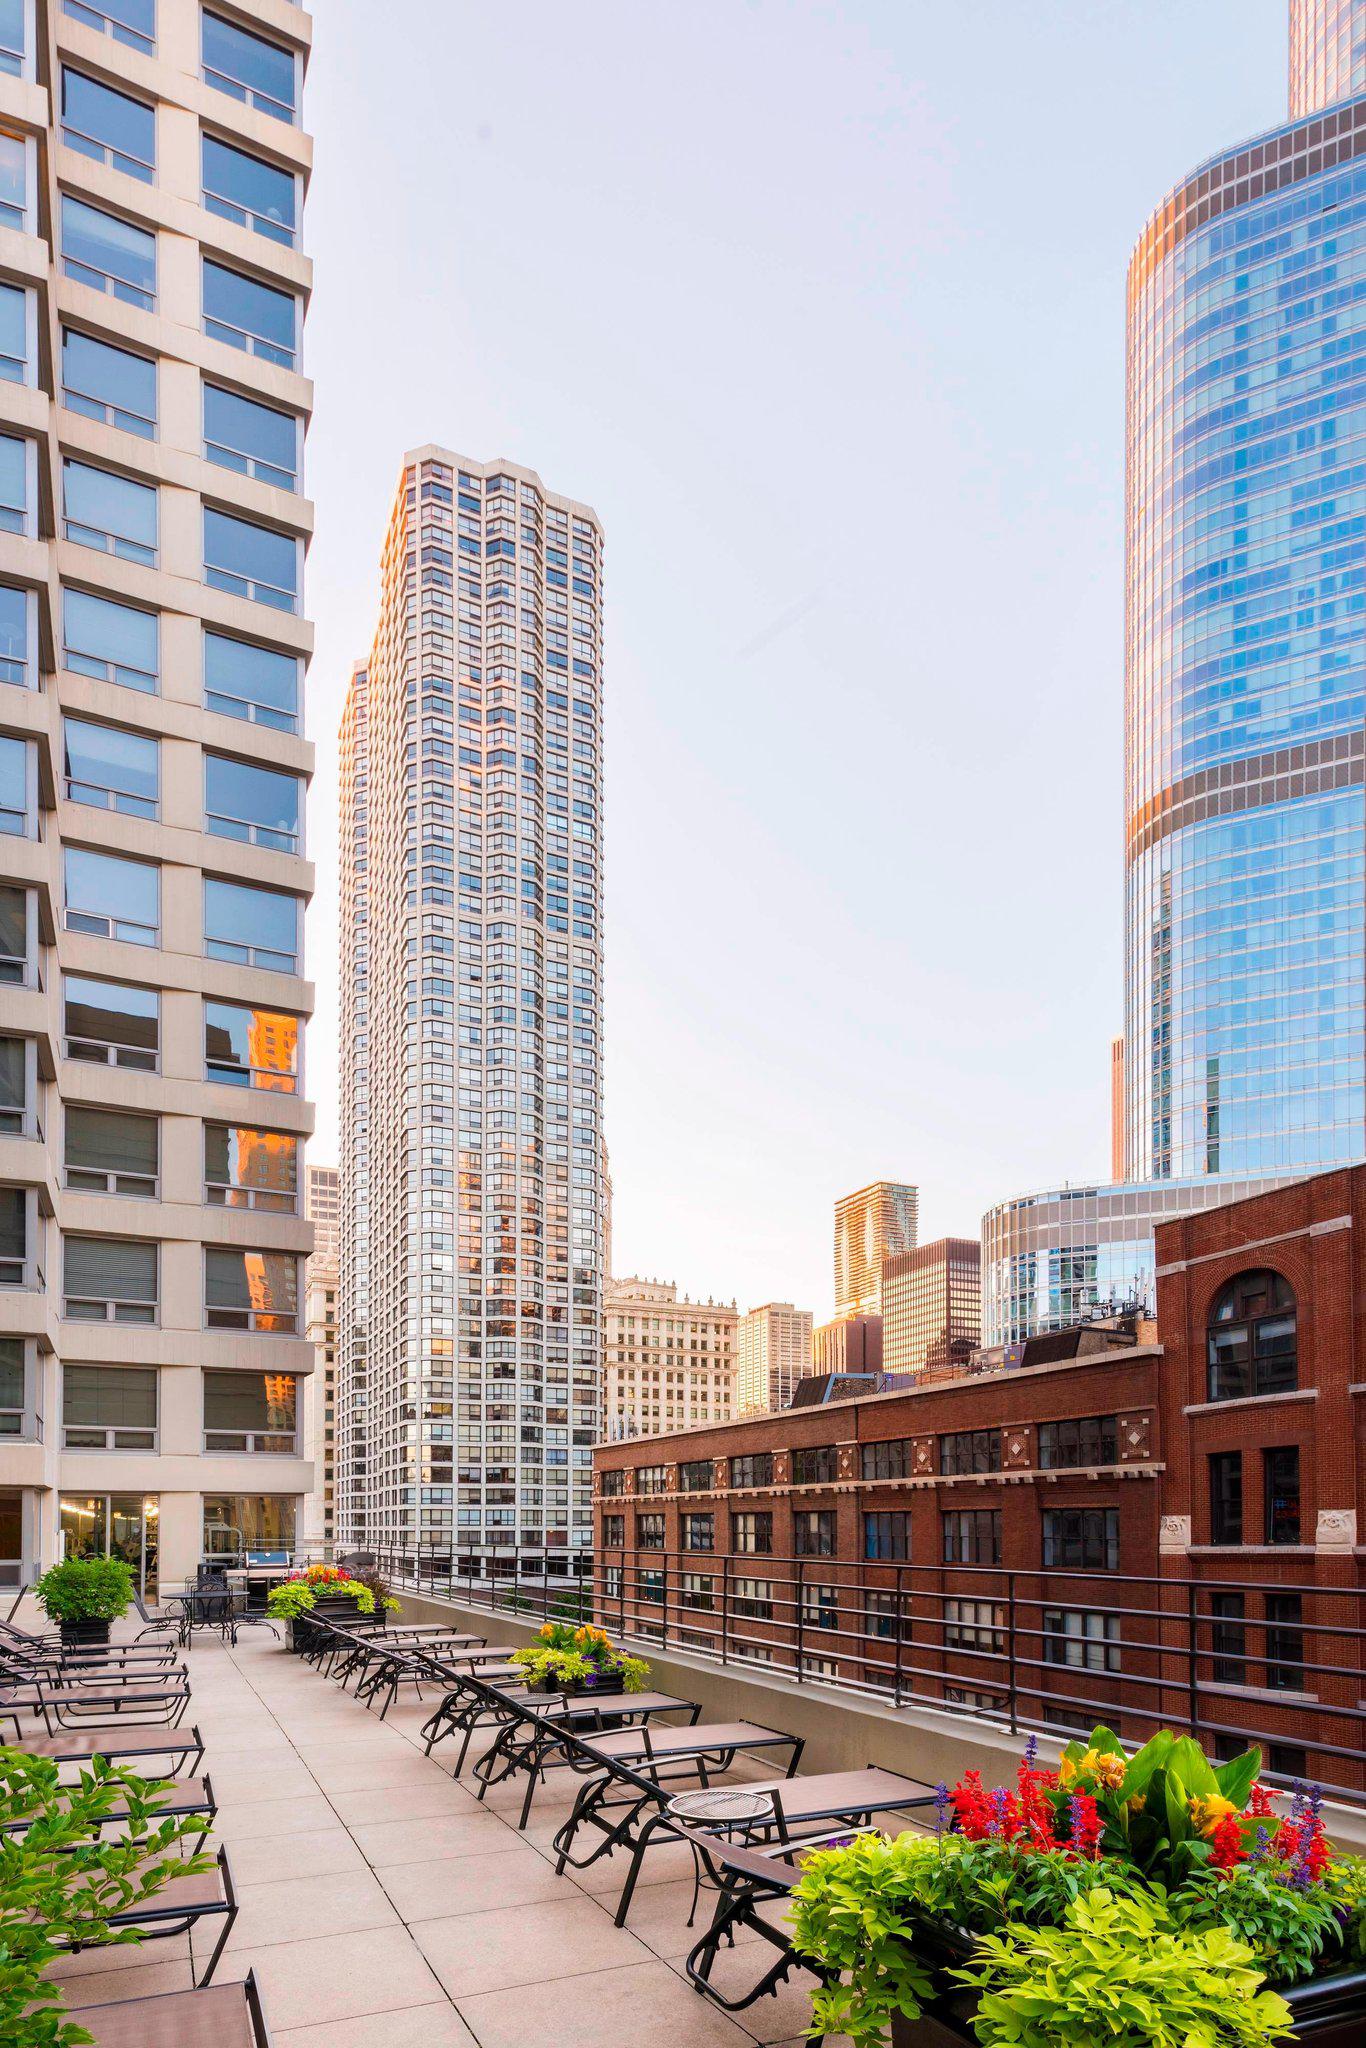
670, 1363
482, 1072
847, 1344
871, 1225
153, 769
773, 1352
932, 1306
1327, 54
353, 1277
322, 1207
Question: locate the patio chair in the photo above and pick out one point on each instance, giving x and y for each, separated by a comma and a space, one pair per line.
193, 1796
216, 2016
208, 1895
161, 1627
66, 1700
529, 1731
121, 1745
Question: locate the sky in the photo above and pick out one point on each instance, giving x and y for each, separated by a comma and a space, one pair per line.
821, 307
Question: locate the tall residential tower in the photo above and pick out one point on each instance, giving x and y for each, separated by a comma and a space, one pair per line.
152, 777
479, 1085
871, 1225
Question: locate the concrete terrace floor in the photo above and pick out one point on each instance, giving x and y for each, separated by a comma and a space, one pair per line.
382, 1906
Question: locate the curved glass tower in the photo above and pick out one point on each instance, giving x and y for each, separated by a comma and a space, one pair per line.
1245, 905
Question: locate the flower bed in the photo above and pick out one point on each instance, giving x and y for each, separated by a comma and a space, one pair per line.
320, 1585
568, 1659
1148, 1901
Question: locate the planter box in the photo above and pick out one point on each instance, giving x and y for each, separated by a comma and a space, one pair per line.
74, 1632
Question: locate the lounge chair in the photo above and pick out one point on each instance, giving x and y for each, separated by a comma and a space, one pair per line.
179, 1906
216, 2016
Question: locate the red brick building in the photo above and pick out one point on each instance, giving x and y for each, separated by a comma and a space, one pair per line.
1135, 1531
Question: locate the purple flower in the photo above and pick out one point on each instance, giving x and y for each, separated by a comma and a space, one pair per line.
1031, 1754
997, 1826
942, 1805
1261, 1846
1297, 1801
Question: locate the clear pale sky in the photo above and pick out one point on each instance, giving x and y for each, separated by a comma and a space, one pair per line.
821, 307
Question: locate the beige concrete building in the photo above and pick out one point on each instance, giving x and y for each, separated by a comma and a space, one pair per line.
932, 1306
152, 780
322, 1199
871, 1225
349, 1507
848, 1344
670, 1363
481, 1084
773, 1352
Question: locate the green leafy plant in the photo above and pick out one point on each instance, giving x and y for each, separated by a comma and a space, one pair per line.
1119, 1971
60, 1880
1287, 1927
566, 1656
298, 1595
85, 1589
377, 1586
1348, 1876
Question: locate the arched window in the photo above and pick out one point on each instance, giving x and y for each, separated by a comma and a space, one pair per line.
1252, 1341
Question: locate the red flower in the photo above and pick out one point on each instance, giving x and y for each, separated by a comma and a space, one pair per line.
1259, 1803
1226, 1844
972, 1807
1087, 1825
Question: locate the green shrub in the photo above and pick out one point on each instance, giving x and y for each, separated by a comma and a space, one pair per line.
60, 1881
1287, 1928
1119, 1972
85, 1589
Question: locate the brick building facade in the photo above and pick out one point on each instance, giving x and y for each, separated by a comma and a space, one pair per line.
1164, 1531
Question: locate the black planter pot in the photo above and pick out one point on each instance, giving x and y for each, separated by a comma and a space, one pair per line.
75, 1632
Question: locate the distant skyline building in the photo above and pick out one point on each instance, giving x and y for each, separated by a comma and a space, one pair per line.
670, 1364
1117, 1107
932, 1305
847, 1344
482, 1081
1244, 1056
322, 1200
353, 1277
773, 1352
872, 1224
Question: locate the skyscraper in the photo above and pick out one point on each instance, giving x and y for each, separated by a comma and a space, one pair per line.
1245, 694
932, 1306
773, 1352
322, 1206
480, 1091
353, 1286
670, 1363
152, 871
871, 1225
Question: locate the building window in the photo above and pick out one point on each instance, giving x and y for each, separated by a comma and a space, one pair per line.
249, 68
880, 1617
18, 492
111, 1024
650, 1587
127, 21
1081, 1539
813, 1535
698, 1532
111, 898
110, 769
18, 789
108, 254
258, 806
16, 937
614, 1532
1081, 1638
974, 1625
1281, 1494
970, 1450
16, 335
250, 316
251, 1048
108, 126
19, 1234
109, 1280
820, 1607
251, 1290
255, 1412
1087, 1440
815, 1467
110, 384
695, 1475
754, 1469
971, 1536
1252, 1338
1228, 1638
612, 1483
245, 189
110, 513
113, 642
109, 1152
1284, 1642
109, 1408
1226, 1497
251, 1169
251, 561
751, 1534
14, 41
652, 1478
891, 1460
253, 439
649, 1532
13, 1387
697, 1590
887, 1537
254, 683
752, 1599
18, 1087
259, 1527
251, 927
17, 639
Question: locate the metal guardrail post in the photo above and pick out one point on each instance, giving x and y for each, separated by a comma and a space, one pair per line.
725, 1609
1192, 1686
1011, 1678
801, 1585
898, 1626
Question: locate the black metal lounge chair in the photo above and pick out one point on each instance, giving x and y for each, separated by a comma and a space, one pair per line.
216, 2016
183, 1904
121, 1745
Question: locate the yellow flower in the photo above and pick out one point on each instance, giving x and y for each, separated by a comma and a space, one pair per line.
1207, 1813
1099, 1765
1109, 1771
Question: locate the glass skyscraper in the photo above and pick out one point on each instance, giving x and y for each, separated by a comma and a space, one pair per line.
1245, 754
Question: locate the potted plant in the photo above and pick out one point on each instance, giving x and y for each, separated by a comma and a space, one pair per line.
321, 1590
83, 1595
1146, 1901
574, 1660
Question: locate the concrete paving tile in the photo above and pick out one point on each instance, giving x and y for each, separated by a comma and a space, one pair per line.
268, 1859
296, 1908
779, 2017
644, 2006
242, 1780
417, 2026
270, 1819
384, 1843
659, 1917
339, 1977
389, 1765
524, 1944
513, 1876
418, 1800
